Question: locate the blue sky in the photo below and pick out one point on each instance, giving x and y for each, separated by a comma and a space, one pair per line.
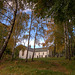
28, 11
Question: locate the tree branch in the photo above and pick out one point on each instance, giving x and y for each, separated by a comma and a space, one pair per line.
6, 16
8, 4
7, 10
5, 25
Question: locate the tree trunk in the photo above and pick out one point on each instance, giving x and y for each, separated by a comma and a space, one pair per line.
34, 48
68, 43
34, 43
29, 40
54, 52
71, 41
65, 35
9, 34
13, 54
74, 48
2, 40
15, 38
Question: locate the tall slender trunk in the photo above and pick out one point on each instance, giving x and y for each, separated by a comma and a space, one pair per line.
34, 43
74, 48
15, 38
71, 41
65, 39
34, 48
29, 40
2, 40
13, 54
9, 34
54, 52
68, 43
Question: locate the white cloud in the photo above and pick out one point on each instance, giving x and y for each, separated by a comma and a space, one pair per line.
27, 10
31, 43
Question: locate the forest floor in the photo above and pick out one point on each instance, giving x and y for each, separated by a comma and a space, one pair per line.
40, 66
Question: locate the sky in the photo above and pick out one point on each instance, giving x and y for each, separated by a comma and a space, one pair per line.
28, 11
25, 42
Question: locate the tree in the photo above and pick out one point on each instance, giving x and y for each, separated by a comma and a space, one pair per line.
54, 37
9, 34
39, 32
19, 28
62, 11
18, 48
29, 36
3, 33
13, 6
1, 4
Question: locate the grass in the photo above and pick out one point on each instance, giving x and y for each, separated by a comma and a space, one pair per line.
41, 66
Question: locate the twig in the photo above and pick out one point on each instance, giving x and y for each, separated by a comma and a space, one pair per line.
7, 10
8, 4
6, 16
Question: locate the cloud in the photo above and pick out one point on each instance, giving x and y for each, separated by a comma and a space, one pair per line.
27, 10
25, 42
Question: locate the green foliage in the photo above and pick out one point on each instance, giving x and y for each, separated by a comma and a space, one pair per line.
18, 48
1, 4
55, 35
7, 53
62, 11
3, 34
8, 50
